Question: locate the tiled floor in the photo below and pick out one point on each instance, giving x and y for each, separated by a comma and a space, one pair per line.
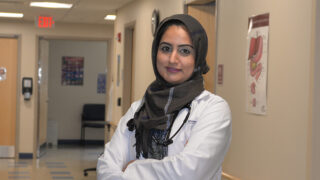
63, 163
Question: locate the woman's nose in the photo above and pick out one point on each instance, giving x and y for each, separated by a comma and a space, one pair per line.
173, 57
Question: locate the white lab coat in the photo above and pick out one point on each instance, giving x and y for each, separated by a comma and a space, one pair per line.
197, 151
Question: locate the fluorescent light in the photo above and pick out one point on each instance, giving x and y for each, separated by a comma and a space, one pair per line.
11, 15
50, 5
110, 17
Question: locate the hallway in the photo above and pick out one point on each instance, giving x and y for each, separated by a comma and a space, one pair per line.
65, 162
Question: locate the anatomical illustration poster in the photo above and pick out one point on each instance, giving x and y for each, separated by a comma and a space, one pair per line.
257, 64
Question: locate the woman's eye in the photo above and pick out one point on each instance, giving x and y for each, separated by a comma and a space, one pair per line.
185, 51
165, 49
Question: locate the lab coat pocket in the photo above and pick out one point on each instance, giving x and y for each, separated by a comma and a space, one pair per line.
187, 129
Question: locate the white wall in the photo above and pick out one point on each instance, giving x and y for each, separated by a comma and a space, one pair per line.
27, 111
275, 146
139, 12
65, 102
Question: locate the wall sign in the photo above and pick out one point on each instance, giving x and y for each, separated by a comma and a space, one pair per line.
220, 74
118, 70
119, 37
101, 89
45, 22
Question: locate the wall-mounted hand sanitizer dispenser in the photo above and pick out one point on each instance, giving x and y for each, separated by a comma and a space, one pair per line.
27, 88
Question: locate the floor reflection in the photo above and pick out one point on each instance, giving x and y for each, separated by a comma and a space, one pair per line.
63, 162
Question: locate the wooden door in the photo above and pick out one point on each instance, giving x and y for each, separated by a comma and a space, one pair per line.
8, 94
205, 14
128, 70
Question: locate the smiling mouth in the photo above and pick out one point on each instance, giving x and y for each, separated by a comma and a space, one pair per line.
173, 70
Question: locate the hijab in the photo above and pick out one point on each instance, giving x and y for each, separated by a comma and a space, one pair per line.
162, 101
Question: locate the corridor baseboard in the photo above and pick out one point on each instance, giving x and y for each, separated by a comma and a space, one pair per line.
79, 142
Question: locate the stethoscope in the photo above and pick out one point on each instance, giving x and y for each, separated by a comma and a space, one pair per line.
168, 140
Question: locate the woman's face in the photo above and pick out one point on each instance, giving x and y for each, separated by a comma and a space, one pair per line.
176, 56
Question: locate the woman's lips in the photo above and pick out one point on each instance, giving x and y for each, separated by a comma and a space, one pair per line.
172, 70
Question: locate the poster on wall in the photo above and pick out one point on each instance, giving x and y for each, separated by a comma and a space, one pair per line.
101, 89
72, 71
257, 64
118, 70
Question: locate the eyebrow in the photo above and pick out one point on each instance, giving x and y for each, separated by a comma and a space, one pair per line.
180, 45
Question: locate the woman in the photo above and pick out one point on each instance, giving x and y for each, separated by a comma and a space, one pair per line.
178, 130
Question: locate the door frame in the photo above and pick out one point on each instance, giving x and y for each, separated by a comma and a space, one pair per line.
109, 42
39, 146
128, 62
18, 93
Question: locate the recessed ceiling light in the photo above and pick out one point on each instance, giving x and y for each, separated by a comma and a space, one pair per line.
50, 5
11, 15
110, 17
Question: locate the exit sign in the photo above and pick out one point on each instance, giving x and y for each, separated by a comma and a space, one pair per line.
45, 22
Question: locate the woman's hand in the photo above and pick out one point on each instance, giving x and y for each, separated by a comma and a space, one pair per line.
125, 167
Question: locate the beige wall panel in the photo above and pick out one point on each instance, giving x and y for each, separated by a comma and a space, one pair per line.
66, 101
273, 146
315, 125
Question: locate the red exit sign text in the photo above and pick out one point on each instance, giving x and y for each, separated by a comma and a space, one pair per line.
45, 22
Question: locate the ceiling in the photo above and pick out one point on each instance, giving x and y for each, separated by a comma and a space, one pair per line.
83, 11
